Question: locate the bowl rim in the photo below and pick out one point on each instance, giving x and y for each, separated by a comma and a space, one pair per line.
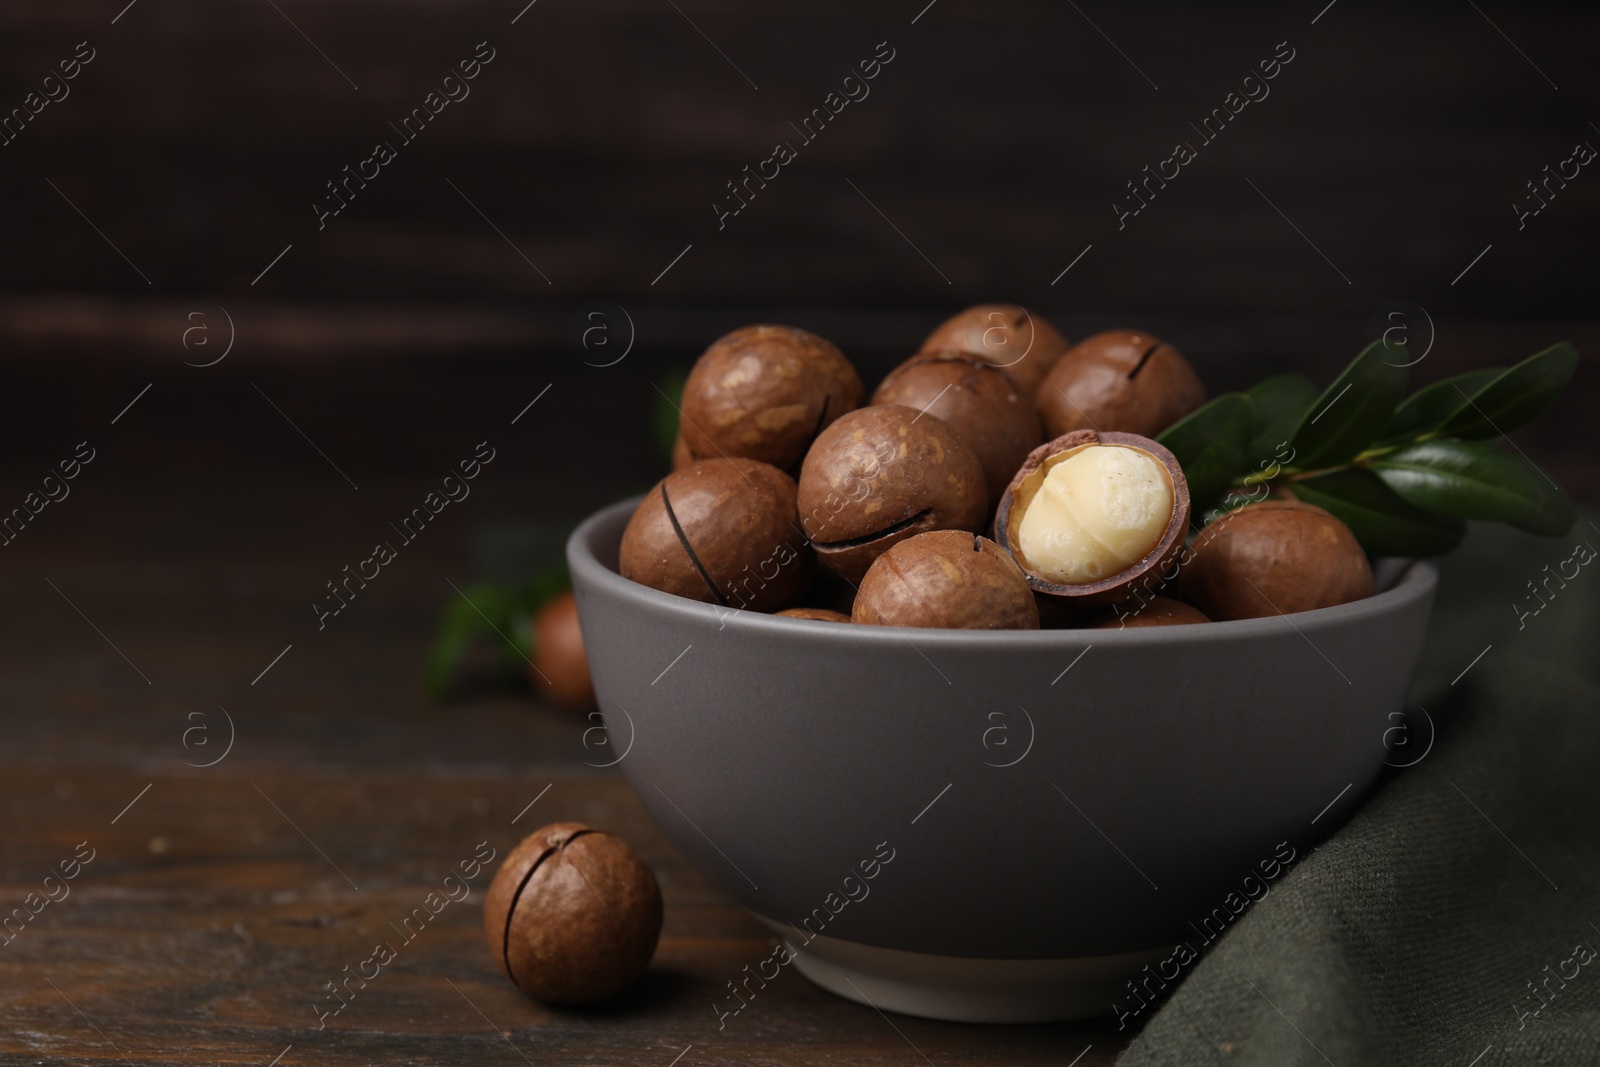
1415, 581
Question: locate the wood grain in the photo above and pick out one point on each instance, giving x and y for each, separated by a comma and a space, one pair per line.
219, 904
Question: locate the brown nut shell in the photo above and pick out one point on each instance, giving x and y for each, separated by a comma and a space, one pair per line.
681, 456
1274, 557
1005, 336
815, 614
573, 914
722, 531
1140, 578
992, 413
765, 392
560, 669
1121, 381
1153, 611
882, 474
946, 579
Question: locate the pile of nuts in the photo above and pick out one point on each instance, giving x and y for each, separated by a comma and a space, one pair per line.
1000, 478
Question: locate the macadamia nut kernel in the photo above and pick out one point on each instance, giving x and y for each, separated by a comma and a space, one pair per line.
1096, 512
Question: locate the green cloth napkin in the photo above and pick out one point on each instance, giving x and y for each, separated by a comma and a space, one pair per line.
1455, 919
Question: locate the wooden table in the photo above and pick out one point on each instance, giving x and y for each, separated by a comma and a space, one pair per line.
221, 899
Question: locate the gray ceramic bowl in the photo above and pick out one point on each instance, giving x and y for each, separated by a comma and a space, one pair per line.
1042, 813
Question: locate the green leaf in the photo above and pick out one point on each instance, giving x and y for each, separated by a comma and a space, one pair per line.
1430, 408
666, 412
1384, 523
1473, 481
1351, 412
478, 610
1209, 444
1516, 396
1280, 402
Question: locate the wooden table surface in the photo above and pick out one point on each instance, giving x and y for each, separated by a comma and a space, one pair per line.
220, 900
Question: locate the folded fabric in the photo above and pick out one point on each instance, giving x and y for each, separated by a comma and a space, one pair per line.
1456, 918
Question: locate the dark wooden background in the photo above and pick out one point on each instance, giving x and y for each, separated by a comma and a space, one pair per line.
377, 352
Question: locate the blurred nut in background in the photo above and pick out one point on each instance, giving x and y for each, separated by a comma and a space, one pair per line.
560, 670
991, 412
722, 531
880, 475
950, 579
1121, 380
573, 915
1005, 336
1275, 557
765, 392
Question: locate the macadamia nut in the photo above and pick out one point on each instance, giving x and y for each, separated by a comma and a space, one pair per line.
1096, 513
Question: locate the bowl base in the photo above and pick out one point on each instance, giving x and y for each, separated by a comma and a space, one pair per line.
960, 989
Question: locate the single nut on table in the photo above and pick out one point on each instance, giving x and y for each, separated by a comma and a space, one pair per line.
991, 412
1275, 557
947, 579
1119, 381
1005, 336
1095, 517
765, 392
882, 474
723, 531
573, 914
559, 669
815, 614
1152, 611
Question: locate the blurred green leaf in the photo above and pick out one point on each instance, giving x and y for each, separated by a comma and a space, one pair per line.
472, 613
1280, 403
498, 615
666, 411
1516, 396
1209, 444
1351, 412
1428, 409
1474, 481
1384, 523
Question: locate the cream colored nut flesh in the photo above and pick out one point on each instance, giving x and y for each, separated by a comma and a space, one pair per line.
1097, 512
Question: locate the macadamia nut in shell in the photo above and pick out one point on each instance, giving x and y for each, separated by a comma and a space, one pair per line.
1274, 557
1006, 337
1121, 381
723, 531
880, 475
765, 392
991, 412
573, 915
947, 579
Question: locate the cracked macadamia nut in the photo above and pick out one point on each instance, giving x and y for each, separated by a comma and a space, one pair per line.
1274, 557
1119, 381
946, 579
991, 412
1156, 611
573, 915
1005, 336
765, 392
882, 474
1091, 513
1096, 513
722, 531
